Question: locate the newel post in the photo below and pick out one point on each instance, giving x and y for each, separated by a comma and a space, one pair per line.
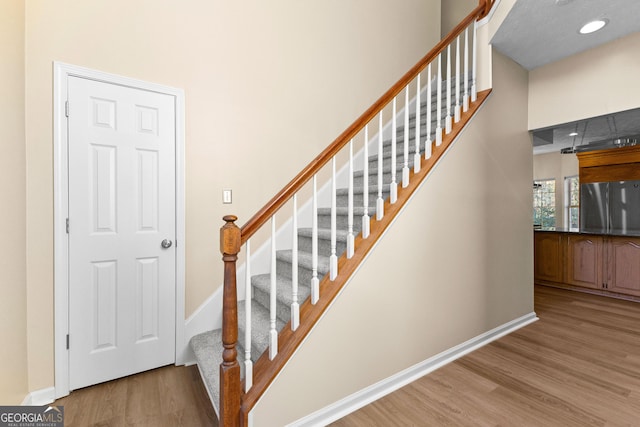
230, 386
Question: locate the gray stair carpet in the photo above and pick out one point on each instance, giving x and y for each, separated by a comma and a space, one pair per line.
208, 345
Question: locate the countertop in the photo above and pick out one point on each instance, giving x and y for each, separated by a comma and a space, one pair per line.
577, 231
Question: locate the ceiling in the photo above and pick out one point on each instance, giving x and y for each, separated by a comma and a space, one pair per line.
538, 32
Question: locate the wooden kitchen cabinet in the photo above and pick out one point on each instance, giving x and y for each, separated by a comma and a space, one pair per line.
607, 263
623, 273
548, 256
584, 261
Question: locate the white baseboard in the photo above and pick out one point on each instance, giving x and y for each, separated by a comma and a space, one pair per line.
367, 395
40, 397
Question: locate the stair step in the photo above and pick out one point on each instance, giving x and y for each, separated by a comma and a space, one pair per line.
358, 179
284, 295
260, 327
324, 240
283, 265
208, 348
342, 217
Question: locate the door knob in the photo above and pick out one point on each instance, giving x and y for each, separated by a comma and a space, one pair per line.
166, 243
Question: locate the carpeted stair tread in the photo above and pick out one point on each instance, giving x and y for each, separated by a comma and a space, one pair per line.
305, 260
208, 348
260, 326
342, 211
359, 190
284, 294
324, 233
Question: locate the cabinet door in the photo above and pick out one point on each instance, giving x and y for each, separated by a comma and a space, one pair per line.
624, 265
548, 255
584, 261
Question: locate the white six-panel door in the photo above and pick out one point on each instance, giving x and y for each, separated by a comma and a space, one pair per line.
122, 279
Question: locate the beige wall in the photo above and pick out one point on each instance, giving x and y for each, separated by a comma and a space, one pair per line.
596, 82
13, 309
454, 11
556, 166
268, 85
466, 266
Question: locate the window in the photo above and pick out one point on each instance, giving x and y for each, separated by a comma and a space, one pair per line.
544, 203
571, 202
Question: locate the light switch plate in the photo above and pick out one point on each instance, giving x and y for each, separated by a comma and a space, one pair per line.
226, 196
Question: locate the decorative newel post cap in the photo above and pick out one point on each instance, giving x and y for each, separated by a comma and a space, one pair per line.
230, 236
229, 218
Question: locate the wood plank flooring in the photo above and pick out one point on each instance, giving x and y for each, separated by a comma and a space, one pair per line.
170, 396
579, 365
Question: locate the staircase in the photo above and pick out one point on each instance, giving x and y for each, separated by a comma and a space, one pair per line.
208, 347
319, 276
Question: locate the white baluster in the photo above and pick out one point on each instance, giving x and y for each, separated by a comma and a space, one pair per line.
366, 220
457, 112
448, 119
333, 259
273, 333
474, 69
439, 104
429, 142
393, 187
465, 98
248, 364
405, 169
416, 155
315, 282
380, 200
295, 306
350, 236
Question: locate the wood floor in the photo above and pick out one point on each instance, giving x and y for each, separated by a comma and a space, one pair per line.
579, 365
165, 397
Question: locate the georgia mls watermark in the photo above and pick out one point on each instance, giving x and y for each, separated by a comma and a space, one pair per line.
31, 416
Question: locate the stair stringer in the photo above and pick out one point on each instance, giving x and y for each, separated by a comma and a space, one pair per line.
265, 370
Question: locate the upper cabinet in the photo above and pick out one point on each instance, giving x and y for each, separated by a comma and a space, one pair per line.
616, 164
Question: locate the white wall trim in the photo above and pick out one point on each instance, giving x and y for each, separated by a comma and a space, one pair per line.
40, 397
61, 73
367, 395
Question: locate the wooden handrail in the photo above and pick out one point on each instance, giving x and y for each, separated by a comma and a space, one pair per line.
264, 214
487, 4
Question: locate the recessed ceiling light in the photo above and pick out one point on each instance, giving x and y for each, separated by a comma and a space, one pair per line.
593, 26
573, 134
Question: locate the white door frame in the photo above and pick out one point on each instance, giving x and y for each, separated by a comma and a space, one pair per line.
61, 73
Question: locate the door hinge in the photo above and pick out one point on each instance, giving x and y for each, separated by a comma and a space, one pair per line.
66, 108
67, 225
67, 341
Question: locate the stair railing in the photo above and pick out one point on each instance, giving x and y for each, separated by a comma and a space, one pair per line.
236, 403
